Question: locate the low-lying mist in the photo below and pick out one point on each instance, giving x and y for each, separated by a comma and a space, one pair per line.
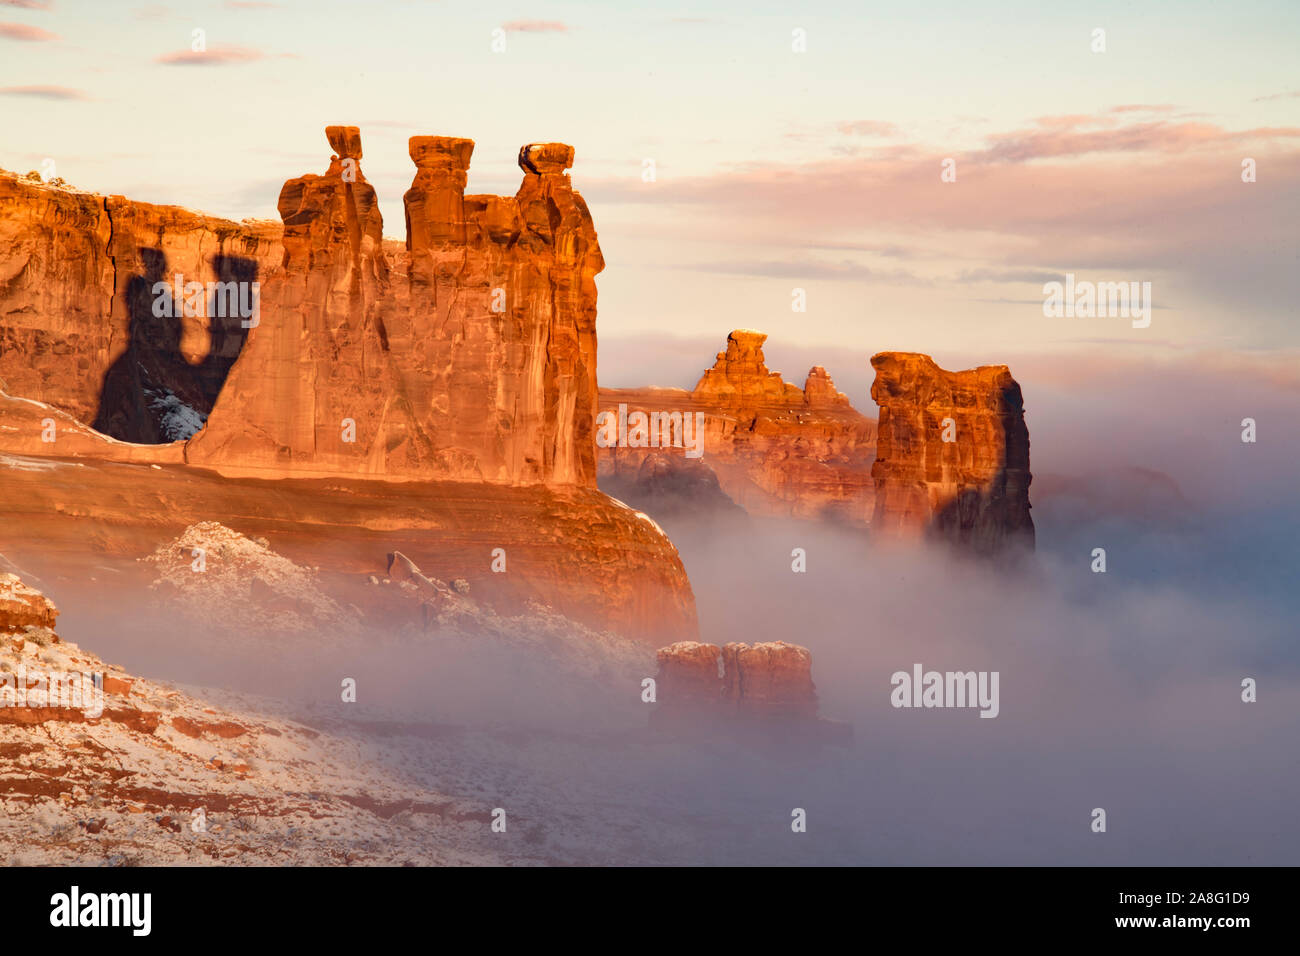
1119, 690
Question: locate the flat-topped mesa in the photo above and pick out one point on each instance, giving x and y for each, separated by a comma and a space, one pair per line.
475, 360
704, 688
952, 454
739, 379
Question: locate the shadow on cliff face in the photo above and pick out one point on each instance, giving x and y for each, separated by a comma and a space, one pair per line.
993, 520
152, 394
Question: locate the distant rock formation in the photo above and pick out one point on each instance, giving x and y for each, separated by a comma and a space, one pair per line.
765, 684
673, 488
777, 450
952, 456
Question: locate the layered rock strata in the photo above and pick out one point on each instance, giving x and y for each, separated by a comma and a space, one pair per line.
463, 363
952, 455
764, 684
84, 329
777, 450
472, 358
99, 766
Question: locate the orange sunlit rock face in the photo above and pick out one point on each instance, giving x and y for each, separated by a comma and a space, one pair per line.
77, 289
952, 455
22, 607
471, 358
776, 449
446, 389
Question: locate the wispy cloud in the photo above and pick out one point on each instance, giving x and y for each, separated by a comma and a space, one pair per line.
1157, 199
868, 128
29, 4
844, 270
536, 26
1277, 96
29, 34
218, 55
45, 92
1143, 108
1063, 137
250, 5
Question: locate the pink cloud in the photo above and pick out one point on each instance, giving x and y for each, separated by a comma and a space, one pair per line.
1143, 108
536, 26
217, 55
1144, 198
29, 4
1065, 140
45, 92
868, 128
21, 31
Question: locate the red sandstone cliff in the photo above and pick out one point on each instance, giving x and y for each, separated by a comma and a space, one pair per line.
776, 449
474, 359
76, 291
952, 455
463, 366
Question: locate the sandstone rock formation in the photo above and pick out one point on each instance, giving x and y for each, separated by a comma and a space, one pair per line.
777, 450
473, 358
952, 455
22, 607
673, 488
77, 278
463, 364
768, 684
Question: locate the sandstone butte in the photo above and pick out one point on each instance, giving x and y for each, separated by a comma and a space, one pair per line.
781, 451
952, 454
777, 450
738, 686
436, 399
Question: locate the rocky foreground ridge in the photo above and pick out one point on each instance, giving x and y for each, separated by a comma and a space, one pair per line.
126, 771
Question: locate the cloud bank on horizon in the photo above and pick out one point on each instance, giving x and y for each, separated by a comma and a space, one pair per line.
921, 185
